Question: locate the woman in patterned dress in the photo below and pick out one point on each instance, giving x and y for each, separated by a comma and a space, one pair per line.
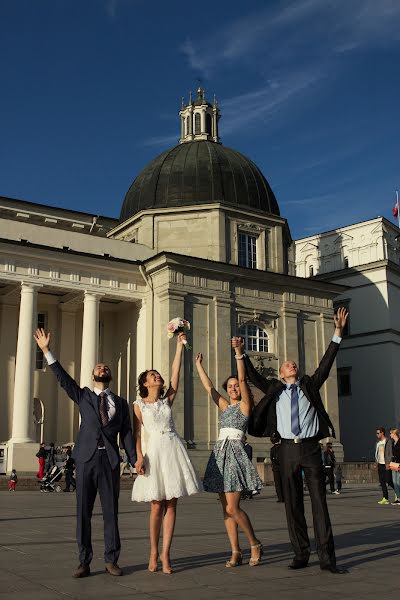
229, 470
165, 472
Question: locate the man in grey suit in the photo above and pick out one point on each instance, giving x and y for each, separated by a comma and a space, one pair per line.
104, 415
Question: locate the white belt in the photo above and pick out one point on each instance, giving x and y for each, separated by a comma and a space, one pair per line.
230, 433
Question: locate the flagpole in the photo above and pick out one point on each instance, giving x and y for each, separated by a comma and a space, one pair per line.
398, 209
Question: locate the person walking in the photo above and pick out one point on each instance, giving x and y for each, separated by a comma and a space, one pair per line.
276, 469
69, 468
164, 470
329, 461
338, 479
41, 456
293, 408
104, 415
229, 471
50, 458
383, 456
395, 464
12, 482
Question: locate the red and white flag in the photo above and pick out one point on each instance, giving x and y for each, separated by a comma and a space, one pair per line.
395, 210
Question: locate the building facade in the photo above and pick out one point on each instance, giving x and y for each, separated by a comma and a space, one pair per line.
365, 258
200, 235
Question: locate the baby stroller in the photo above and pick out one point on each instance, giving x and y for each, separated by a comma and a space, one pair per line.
49, 482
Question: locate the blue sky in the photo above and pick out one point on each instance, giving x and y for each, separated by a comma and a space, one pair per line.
309, 89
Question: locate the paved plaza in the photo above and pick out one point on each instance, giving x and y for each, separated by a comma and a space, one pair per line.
38, 551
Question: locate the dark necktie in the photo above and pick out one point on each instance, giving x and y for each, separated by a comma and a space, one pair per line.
294, 410
103, 409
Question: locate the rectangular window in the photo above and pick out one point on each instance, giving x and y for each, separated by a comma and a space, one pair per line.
247, 250
42, 324
344, 381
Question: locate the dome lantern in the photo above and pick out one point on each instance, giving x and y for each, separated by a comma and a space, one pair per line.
199, 119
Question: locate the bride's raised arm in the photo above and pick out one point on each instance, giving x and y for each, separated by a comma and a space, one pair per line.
219, 400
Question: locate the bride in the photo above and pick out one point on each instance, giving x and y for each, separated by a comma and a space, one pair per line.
165, 472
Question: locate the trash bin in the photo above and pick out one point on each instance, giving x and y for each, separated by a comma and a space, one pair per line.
3, 459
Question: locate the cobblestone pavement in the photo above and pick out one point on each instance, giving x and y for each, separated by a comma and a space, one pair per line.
38, 551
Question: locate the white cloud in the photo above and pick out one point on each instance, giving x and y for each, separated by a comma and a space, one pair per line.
297, 45
165, 140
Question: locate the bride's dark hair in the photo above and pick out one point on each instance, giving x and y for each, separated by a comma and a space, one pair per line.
225, 384
142, 389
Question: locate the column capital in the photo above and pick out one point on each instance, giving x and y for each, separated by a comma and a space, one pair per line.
92, 296
29, 287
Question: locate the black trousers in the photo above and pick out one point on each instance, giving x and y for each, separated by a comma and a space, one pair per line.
278, 484
92, 476
295, 458
385, 479
69, 479
330, 477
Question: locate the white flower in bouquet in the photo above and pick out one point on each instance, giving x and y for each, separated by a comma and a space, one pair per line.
177, 326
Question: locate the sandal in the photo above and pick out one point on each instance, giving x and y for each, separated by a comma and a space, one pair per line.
253, 562
235, 563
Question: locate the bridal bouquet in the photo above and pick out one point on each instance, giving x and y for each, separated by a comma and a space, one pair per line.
176, 326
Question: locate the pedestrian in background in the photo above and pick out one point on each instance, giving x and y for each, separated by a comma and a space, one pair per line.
41, 456
329, 461
12, 482
69, 467
50, 458
395, 464
338, 479
383, 456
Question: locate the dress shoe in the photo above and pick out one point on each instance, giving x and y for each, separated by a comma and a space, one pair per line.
113, 569
82, 571
334, 570
298, 564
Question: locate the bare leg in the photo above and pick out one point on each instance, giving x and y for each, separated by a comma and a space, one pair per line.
242, 520
168, 532
156, 517
231, 529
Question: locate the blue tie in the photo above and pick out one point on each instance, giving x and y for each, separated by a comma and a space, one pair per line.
294, 410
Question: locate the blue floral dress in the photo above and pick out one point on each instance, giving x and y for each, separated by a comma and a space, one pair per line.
229, 469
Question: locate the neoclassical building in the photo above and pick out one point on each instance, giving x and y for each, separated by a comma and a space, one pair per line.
200, 235
365, 258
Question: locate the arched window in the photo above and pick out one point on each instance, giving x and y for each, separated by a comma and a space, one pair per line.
208, 124
255, 338
197, 123
187, 125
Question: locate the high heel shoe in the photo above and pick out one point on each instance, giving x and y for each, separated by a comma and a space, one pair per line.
235, 563
254, 562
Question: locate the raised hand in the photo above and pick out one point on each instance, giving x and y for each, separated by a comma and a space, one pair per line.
181, 339
238, 344
340, 318
199, 358
42, 339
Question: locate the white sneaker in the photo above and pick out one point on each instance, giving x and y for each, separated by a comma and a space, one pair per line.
336, 492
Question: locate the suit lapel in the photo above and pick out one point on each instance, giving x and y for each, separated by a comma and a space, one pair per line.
95, 403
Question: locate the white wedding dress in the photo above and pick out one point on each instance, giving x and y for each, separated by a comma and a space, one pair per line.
169, 472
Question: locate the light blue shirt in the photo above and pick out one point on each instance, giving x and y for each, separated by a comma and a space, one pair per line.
308, 417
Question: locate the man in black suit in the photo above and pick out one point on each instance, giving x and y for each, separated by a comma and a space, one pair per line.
293, 408
104, 415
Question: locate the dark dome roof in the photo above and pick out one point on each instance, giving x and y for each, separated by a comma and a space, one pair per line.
199, 172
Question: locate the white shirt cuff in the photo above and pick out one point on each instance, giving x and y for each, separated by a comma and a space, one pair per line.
50, 358
336, 339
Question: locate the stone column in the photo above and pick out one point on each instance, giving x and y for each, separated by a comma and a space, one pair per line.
23, 386
90, 337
